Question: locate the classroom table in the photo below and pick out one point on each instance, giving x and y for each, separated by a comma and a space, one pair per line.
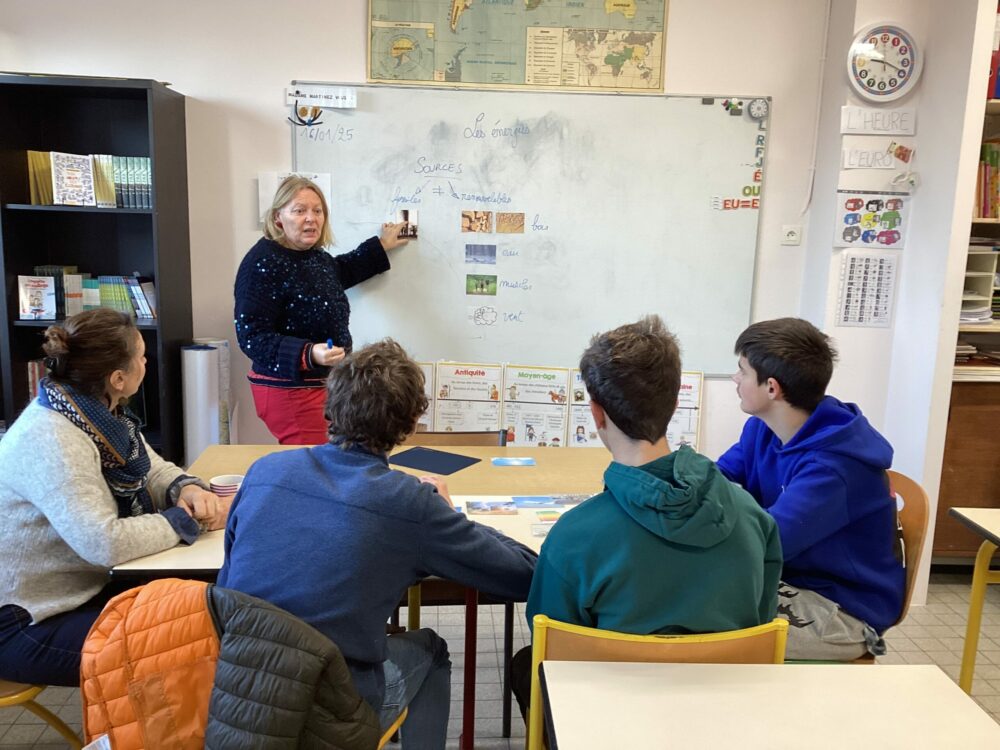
986, 523
604, 705
559, 470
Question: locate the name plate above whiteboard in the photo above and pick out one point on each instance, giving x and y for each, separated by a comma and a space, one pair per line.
543, 218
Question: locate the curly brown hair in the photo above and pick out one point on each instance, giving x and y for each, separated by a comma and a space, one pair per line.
374, 397
634, 374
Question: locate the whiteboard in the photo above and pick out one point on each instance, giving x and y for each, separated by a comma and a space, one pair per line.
632, 204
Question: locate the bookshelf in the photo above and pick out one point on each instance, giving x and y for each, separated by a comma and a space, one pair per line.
128, 117
970, 472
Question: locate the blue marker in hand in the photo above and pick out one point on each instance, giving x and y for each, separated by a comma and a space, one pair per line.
329, 343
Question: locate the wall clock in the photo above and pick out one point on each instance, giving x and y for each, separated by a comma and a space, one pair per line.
883, 63
758, 108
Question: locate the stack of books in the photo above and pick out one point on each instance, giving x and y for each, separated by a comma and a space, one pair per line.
58, 292
102, 180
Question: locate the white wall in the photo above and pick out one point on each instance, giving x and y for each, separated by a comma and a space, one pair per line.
233, 60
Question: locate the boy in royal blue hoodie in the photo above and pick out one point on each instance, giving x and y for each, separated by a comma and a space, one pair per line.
819, 468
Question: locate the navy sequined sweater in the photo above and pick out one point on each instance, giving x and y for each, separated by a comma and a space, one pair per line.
287, 299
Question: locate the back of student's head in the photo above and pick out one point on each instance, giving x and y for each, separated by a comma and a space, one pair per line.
795, 353
374, 397
87, 347
634, 374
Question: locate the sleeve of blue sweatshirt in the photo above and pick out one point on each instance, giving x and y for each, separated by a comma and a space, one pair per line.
731, 464
455, 548
812, 507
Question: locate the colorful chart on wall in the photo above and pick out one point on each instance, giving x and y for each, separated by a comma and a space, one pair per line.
592, 45
545, 217
871, 218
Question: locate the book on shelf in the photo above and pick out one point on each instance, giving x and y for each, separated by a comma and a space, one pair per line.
91, 294
149, 290
142, 308
73, 179
104, 181
36, 371
73, 293
57, 272
36, 297
40, 178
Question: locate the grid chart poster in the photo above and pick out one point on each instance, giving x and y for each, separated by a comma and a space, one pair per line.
867, 288
588, 45
468, 397
875, 219
534, 405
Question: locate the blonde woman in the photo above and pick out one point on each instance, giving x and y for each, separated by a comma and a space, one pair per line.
292, 312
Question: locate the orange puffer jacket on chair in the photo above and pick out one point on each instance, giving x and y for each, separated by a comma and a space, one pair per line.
148, 666
179, 665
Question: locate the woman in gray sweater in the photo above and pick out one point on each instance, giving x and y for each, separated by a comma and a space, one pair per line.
80, 492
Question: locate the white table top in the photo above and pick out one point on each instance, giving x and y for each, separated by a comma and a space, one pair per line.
606, 705
205, 556
984, 521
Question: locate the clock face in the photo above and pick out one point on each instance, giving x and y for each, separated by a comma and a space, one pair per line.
757, 108
883, 63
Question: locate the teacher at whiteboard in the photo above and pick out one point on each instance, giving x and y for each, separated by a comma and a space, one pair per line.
292, 312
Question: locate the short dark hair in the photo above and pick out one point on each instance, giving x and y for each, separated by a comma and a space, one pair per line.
795, 353
87, 347
634, 374
374, 397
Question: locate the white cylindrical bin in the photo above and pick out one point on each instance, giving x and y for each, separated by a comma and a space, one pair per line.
200, 386
225, 400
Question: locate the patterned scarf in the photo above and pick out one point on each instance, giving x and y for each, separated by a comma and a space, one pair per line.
124, 461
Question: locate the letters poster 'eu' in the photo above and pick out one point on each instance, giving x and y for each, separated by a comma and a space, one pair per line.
593, 45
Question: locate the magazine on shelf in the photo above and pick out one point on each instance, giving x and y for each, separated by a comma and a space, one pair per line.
73, 179
37, 297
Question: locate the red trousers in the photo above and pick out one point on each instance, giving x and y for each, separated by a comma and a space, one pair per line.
293, 415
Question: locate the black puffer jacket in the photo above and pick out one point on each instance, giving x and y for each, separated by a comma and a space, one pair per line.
280, 683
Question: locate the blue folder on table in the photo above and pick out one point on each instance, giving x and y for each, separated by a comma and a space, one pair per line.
436, 462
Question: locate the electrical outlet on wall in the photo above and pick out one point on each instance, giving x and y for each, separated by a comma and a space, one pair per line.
791, 234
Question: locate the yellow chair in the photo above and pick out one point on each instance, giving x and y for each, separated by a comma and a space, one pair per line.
19, 694
560, 641
913, 522
393, 728
913, 519
497, 438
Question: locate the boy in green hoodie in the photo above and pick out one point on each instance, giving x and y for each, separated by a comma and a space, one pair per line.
670, 546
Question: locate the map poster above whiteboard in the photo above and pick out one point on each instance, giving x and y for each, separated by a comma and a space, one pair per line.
590, 45
545, 217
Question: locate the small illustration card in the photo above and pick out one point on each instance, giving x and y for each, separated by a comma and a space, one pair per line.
548, 516
492, 508
513, 461
541, 529
535, 501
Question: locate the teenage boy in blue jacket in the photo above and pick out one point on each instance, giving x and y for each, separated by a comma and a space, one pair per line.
334, 536
819, 468
670, 546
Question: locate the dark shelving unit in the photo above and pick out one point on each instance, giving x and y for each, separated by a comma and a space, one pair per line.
125, 117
